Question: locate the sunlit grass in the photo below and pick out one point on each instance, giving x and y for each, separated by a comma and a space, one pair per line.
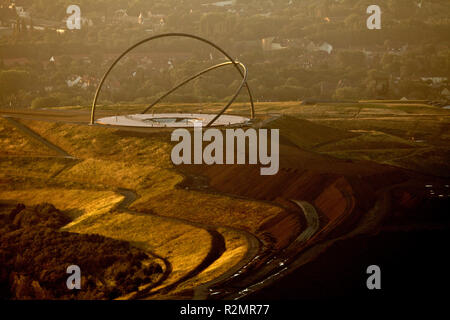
110, 159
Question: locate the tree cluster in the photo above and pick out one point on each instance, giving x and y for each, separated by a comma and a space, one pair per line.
35, 256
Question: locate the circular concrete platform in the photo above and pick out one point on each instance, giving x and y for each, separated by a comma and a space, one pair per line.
170, 120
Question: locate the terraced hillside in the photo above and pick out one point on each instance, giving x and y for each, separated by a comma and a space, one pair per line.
225, 231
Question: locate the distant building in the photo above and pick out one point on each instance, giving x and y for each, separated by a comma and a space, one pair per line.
73, 82
268, 44
21, 12
434, 80
446, 93
121, 15
325, 47
83, 82
221, 3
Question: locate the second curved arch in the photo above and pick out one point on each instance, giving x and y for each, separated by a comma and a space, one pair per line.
199, 74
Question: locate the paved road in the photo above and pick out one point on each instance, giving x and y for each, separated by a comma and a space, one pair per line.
312, 220
217, 249
278, 266
62, 153
217, 240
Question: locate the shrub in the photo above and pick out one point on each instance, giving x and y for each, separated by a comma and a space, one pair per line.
347, 93
45, 102
34, 254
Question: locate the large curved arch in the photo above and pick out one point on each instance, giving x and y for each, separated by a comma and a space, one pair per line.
186, 81
186, 35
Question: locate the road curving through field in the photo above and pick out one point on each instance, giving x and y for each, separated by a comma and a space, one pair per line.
312, 220
217, 245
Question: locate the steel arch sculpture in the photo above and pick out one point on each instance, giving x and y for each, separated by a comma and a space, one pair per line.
236, 64
186, 81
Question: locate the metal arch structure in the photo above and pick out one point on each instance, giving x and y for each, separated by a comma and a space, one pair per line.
231, 61
244, 82
186, 81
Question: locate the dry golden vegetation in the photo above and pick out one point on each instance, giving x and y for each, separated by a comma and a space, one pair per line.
414, 136
214, 209
171, 222
40, 168
77, 204
35, 255
236, 249
182, 245
109, 159
13, 142
142, 162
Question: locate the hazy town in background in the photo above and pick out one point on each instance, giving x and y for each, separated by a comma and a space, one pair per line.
295, 50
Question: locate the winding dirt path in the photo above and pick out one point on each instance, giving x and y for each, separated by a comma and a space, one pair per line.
218, 246
30, 133
63, 154
278, 265
237, 281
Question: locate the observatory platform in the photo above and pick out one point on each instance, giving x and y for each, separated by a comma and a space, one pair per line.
170, 120
179, 120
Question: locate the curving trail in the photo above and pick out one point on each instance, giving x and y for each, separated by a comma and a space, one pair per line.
256, 269
277, 266
30, 133
237, 281
63, 154
254, 253
217, 249
254, 245
312, 220
38, 138
217, 240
